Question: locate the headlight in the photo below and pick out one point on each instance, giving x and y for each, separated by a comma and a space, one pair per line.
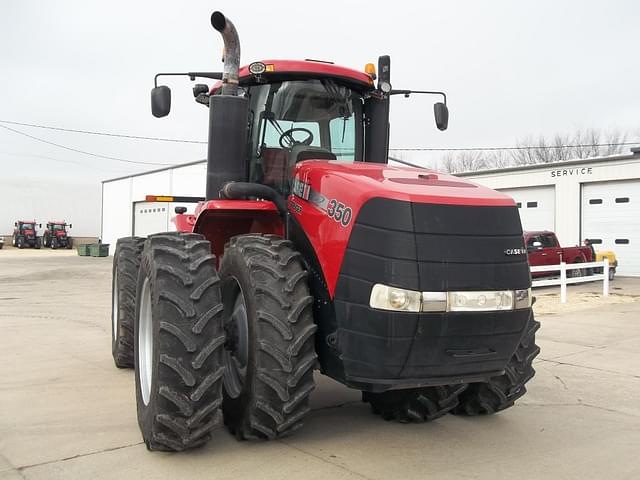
480, 301
396, 299
401, 300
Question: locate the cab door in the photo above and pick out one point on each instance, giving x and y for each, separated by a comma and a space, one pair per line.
551, 251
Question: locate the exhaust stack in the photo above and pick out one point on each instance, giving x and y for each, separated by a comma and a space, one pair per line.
231, 58
227, 149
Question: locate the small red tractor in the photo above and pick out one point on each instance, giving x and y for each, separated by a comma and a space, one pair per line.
56, 235
26, 235
310, 252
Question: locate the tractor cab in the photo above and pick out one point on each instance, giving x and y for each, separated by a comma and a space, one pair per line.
296, 120
297, 110
26, 227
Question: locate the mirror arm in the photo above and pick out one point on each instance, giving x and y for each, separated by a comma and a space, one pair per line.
406, 93
192, 76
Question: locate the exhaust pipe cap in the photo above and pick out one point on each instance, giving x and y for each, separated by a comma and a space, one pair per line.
218, 21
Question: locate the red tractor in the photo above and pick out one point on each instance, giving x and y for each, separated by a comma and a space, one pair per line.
26, 235
56, 235
310, 252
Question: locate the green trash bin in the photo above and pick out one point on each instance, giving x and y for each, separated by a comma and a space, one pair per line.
83, 250
99, 249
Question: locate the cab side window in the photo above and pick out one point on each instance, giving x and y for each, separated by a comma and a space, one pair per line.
547, 241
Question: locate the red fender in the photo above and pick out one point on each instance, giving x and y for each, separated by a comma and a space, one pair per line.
219, 220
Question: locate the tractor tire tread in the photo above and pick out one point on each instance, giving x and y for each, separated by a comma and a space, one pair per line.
126, 263
501, 392
415, 405
186, 408
284, 338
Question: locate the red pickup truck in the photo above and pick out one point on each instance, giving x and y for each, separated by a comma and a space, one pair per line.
543, 248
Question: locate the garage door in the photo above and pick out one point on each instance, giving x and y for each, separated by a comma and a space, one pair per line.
611, 218
537, 206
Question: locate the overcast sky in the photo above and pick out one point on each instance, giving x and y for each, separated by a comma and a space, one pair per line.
510, 69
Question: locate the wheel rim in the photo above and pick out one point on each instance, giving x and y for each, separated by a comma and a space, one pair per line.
114, 307
236, 353
145, 342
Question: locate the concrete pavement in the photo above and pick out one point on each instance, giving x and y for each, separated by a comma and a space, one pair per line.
66, 412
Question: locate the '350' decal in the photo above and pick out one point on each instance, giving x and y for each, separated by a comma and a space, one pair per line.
339, 212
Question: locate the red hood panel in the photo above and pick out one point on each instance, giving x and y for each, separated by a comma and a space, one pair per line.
330, 194
368, 180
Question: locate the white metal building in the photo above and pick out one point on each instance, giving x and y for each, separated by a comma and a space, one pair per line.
125, 211
597, 198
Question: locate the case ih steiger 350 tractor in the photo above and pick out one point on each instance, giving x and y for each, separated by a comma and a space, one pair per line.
309, 251
56, 235
25, 234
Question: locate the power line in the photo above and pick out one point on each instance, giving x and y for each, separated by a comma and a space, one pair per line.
105, 134
106, 157
495, 149
399, 149
76, 162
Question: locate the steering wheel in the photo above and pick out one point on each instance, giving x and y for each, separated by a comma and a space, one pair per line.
292, 142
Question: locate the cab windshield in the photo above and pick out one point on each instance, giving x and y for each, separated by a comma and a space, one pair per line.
57, 228
300, 120
28, 226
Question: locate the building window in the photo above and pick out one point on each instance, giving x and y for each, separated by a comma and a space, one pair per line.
532, 204
595, 241
595, 201
622, 241
622, 200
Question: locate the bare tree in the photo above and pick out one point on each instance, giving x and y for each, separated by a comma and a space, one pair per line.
581, 144
463, 162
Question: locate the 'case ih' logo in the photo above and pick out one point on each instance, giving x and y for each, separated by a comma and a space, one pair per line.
515, 251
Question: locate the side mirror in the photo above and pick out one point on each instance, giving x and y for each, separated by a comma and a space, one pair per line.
160, 101
71, 225
39, 225
15, 224
441, 112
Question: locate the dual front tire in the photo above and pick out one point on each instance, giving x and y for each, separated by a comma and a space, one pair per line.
187, 342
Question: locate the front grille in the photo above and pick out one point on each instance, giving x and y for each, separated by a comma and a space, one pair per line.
428, 247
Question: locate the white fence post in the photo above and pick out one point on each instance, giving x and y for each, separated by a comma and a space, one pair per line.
563, 282
605, 280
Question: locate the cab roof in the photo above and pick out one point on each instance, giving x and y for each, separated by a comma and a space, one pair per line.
285, 69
